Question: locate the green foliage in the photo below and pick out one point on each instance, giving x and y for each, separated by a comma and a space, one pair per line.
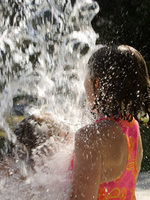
145, 134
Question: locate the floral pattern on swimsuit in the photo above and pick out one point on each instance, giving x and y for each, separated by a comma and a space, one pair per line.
123, 188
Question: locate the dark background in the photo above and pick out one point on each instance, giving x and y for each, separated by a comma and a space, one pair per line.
127, 22
124, 22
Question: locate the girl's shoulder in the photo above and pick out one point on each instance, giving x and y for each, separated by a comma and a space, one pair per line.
101, 133
106, 140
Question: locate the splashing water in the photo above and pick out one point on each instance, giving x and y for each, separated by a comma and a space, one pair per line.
44, 47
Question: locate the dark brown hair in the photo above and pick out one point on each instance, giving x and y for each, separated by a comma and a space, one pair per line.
123, 79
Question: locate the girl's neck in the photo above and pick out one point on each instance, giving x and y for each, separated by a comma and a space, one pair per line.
97, 116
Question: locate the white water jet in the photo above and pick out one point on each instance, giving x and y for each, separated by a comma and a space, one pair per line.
44, 48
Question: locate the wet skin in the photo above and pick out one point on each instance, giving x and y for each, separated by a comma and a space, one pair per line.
100, 155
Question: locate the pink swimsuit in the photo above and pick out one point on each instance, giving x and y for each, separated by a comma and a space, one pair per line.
123, 188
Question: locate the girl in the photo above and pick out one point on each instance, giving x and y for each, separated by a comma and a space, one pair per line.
108, 152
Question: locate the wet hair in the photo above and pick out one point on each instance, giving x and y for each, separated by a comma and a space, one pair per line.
124, 86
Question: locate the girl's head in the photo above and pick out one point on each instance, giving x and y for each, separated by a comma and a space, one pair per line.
117, 82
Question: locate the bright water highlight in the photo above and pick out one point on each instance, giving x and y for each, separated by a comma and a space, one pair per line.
44, 48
